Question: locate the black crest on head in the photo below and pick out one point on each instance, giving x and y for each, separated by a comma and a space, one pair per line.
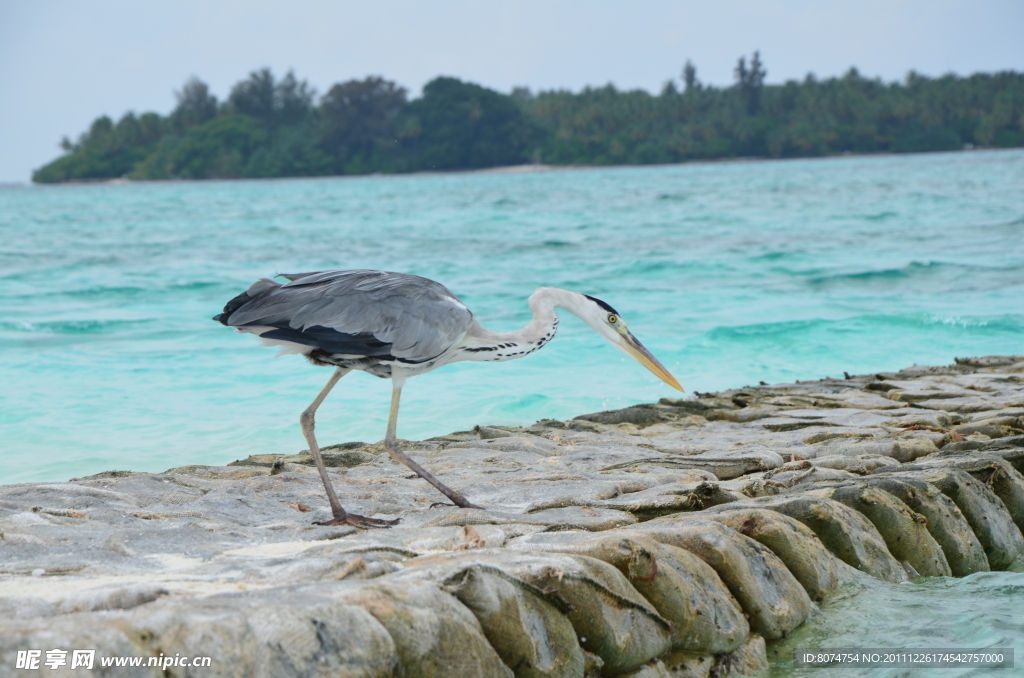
602, 304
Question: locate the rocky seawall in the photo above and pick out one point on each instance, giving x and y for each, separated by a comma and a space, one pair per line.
673, 539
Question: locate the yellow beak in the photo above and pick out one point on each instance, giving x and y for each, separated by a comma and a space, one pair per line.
636, 350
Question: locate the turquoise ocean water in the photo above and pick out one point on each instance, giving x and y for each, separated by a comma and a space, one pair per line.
731, 273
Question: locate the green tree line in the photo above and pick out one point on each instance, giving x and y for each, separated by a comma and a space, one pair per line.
280, 127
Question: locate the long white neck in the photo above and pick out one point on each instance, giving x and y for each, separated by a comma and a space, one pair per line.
482, 344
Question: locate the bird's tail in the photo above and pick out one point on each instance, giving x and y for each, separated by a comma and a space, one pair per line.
242, 299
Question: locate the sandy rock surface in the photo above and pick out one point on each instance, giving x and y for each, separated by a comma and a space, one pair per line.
895, 474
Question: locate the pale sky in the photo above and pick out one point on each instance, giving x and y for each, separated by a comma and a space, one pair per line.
65, 62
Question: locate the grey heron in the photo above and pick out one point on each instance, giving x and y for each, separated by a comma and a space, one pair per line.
396, 326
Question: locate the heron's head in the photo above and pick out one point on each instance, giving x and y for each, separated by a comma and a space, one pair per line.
607, 322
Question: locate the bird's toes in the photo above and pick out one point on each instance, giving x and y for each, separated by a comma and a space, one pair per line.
332, 521
365, 523
362, 522
463, 505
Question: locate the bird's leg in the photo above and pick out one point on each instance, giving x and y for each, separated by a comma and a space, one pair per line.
341, 516
391, 445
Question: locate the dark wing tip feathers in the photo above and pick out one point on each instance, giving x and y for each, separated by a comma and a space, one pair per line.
602, 304
231, 307
331, 341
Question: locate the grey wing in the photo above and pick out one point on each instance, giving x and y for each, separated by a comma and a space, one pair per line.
371, 313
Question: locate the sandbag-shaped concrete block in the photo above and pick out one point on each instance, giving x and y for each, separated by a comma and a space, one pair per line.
592, 665
773, 599
580, 517
909, 449
1012, 452
792, 541
749, 659
505, 605
403, 542
846, 533
946, 523
710, 617
109, 598
902, 451
267, 634
435, 635
654, 669
803, 473
213, 628
859, 465
682, 587
527, 628
611, 619
661, 500
984, 512
688, 665
904, 531
1005, 481
104, 632
1008, 484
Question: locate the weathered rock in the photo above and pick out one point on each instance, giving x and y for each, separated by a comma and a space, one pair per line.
902, 451
674, 498
859, 465
227, 560
987, 516
527, 628
1005, 481
792, 541
435, 635
639, 415
805, 473
684, 589
750, 659
723, 468
611, 619
902, 529
847, 534
946, 523
1013, 453
767, 591
245, 634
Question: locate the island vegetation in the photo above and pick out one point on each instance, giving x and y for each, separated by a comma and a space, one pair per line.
280, 127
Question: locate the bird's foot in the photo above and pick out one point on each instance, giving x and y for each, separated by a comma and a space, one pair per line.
464, 504
362, 522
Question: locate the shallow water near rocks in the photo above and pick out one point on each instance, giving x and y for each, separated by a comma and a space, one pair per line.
981, 610
731, 273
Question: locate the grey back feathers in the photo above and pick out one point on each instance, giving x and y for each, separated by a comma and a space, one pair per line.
357, 313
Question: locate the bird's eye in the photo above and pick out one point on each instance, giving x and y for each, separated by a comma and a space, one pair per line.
612, 319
